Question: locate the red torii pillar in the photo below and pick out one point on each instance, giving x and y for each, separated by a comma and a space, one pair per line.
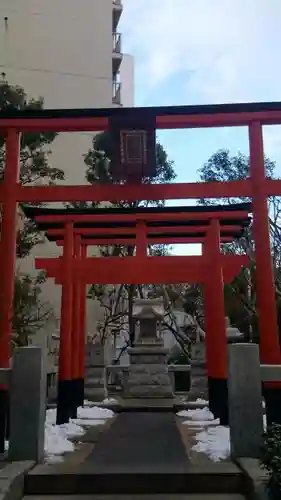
8, 255
75, 339
64, 400
215, 326
82, 334
266, 303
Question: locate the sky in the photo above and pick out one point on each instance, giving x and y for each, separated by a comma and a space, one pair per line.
205, 52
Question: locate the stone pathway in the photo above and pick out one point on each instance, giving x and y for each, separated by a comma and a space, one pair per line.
139, 452
140, 443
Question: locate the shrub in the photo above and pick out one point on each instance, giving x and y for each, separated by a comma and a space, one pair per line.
271, 459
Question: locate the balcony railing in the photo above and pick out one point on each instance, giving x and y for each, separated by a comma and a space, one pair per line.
116, 92
116, 40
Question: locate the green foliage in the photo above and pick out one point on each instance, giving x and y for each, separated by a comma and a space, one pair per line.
222, 167
271, 459
98, 162
240, 295
34, 156
29, 313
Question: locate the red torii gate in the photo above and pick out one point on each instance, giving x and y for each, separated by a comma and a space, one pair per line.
140, 227
257, 187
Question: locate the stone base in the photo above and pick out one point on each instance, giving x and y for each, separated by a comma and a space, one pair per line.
199, 379
95, 394
148, 376
95, 383
148, 354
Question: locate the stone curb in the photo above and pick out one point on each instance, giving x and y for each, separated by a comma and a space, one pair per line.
256, 477
12, 479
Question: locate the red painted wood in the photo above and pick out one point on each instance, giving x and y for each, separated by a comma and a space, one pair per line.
67, 276
218, 120
161, 241
9, 222
141, 239
82, 343
176, 217
76, 317
214, 293
171, 121
147, 229
267, 315
142, 270
133, 192
55, 124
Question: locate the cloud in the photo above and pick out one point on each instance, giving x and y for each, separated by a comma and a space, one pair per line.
224, 50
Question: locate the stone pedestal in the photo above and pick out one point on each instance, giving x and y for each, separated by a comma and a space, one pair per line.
95, 380
199, 382
27, 402
148, 376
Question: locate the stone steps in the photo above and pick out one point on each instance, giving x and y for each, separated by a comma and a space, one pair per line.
139, 497
216, 480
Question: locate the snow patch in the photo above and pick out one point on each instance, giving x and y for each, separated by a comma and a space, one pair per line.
88, 422
197, 414
56, 442
94, 412
199, 401
90, 403
201, 423
110, 401
214, 442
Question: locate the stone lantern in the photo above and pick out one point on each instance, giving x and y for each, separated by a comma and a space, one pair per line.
147, 376
149, 314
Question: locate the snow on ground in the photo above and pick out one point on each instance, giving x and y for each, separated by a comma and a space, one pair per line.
214, 442
93, 412
198, 401
88, 422
110, 401
201, 423
213, 439
57, 437
197, 414
90, 403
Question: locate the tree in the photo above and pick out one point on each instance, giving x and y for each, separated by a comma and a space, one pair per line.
30, 313
240, 295
34, 156
222, 167
34, 167
99, 165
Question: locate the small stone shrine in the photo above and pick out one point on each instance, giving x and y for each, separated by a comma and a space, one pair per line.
147, 376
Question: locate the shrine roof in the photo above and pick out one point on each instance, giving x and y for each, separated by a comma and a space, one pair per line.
149, 112
117, 219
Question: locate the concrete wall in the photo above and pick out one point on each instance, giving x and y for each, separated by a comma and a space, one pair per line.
127, 81
61, 50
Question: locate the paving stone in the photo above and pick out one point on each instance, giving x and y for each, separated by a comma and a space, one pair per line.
140, 442
138, 497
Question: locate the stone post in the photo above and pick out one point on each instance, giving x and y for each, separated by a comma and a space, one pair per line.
245, 400
95, 379
28, 405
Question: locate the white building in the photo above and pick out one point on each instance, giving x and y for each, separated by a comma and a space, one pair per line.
70, 53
